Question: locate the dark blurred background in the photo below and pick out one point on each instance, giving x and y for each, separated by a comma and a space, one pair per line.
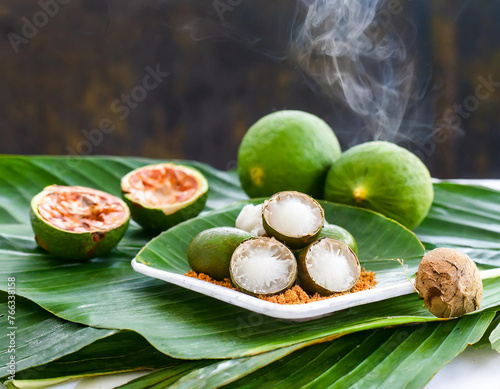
69, 67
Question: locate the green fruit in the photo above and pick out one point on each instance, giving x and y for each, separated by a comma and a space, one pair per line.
164, 195
263, 266
293, 218
328, 266
77, 223
210, 251
338, 233
382, 177
287, 150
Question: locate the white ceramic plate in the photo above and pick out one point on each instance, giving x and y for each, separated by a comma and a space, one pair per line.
299, 312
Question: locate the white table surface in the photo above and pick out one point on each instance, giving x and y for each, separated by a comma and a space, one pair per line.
471, 369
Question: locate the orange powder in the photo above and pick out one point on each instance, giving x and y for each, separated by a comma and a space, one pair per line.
297, 295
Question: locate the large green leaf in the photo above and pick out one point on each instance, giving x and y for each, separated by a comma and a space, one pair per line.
127, 351
122, 352
402, 357
225, 372
40, 337
485, 341
406, 357
495, 337
465, 217
163, 378
207, 374
105, 292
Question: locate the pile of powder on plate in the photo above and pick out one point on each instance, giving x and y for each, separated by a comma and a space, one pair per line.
296, 295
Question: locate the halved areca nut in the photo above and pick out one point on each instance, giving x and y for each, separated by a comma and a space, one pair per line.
163, 195
293, 218
328, 266
262, 266
77, 223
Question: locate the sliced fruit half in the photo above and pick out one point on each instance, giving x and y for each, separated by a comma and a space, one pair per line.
328, 266
77, 223
293, 218
262, 266
210, 251
163, 195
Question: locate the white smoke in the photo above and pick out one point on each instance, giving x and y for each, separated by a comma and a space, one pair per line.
354, 53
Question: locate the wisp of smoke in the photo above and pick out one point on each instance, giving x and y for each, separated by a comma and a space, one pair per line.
357, 57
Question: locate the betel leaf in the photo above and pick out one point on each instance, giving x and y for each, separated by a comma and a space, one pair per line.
38, 336
406, 357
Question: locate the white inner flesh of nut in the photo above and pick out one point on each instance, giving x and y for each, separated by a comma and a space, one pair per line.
332, 266
250, 220
294, 215
263, 269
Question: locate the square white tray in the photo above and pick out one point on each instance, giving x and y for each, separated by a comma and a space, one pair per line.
298, 312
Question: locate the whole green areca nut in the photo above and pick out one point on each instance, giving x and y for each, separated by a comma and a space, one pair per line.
333, 231
210, 251
287, 150
385, 178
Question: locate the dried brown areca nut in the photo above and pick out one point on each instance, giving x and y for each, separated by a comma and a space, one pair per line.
449, 282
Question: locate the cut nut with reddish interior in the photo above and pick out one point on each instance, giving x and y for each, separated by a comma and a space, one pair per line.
163, 195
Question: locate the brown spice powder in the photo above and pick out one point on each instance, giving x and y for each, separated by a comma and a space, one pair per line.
297, 295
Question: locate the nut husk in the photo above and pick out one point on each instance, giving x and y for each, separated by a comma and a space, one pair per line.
449, 282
